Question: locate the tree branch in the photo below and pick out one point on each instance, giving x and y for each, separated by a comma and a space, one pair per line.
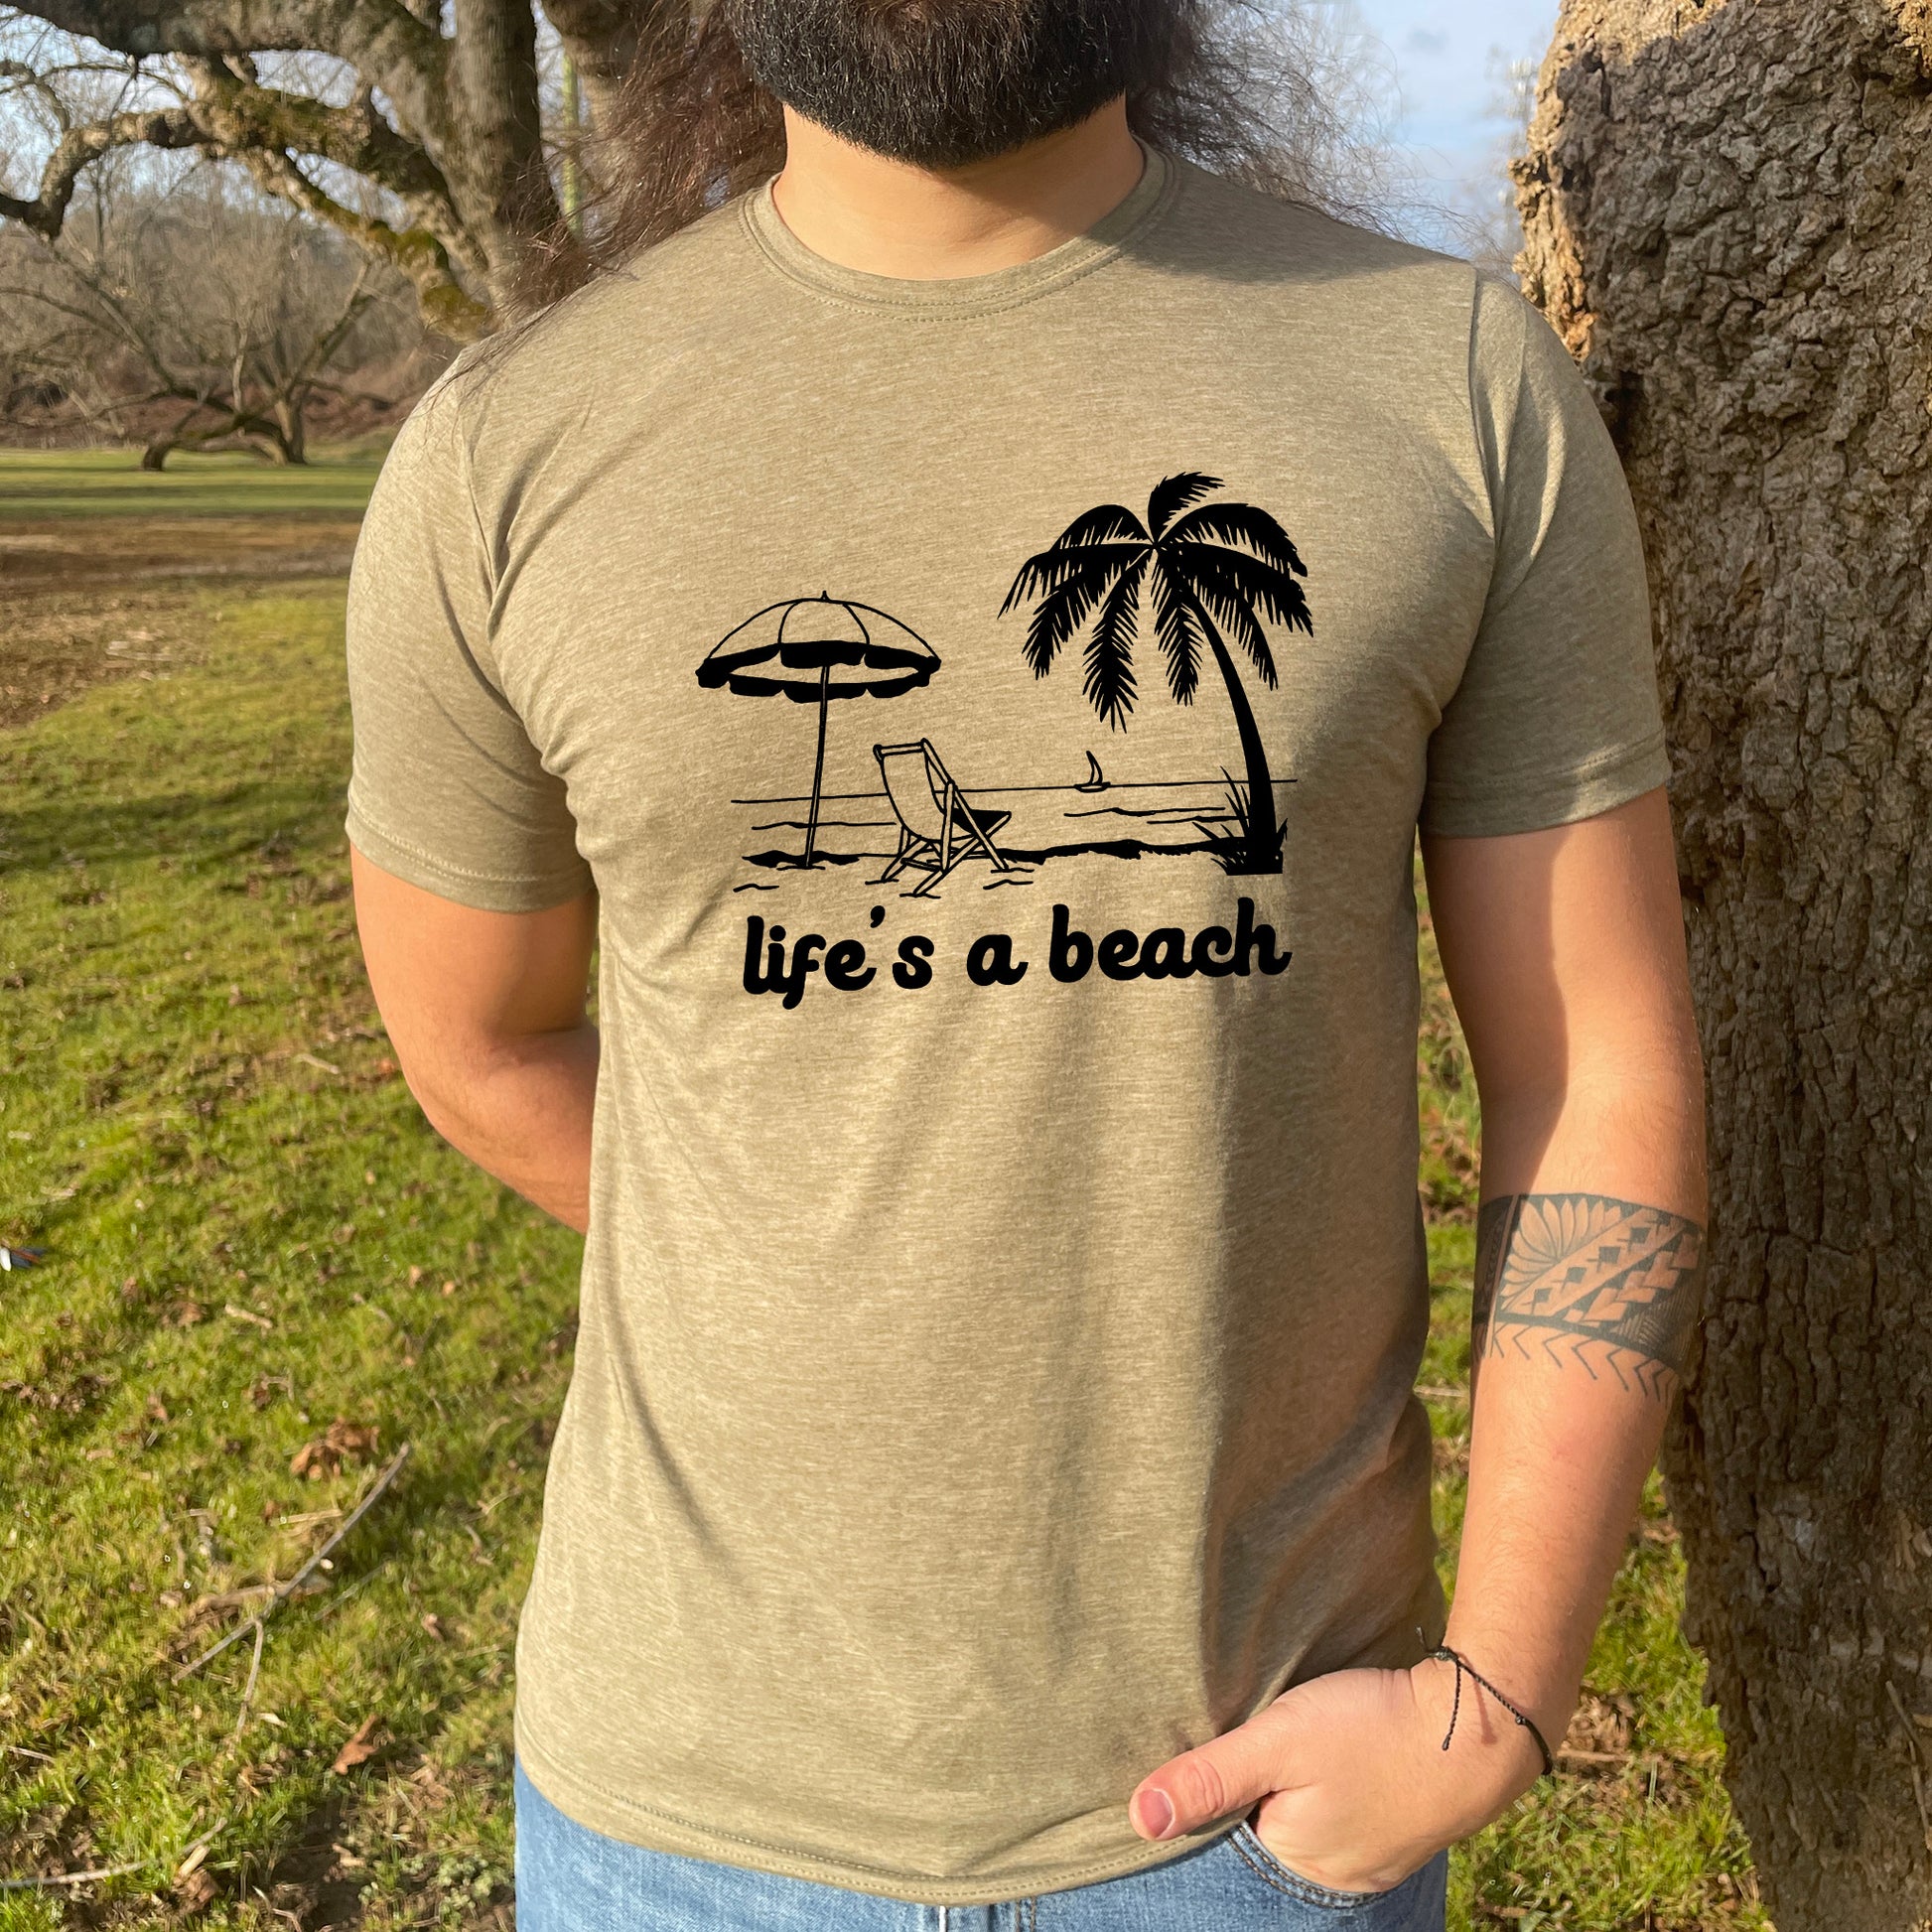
238, 113
417, 253
381, 38
162, 127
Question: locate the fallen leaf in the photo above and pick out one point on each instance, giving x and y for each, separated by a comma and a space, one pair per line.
434, 1625
197, 1891
360, 1748
157, 1408
415, 1274
342, 1441
185, 1314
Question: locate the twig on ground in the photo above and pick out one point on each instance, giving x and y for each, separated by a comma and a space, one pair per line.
74, 1877
21, 1751
41, 1880
254, 1671
284, 1591
227, 1599
355, 1589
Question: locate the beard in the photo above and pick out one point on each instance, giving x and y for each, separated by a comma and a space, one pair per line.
944, 82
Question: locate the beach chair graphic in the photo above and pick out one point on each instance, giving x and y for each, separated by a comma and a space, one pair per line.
937, 828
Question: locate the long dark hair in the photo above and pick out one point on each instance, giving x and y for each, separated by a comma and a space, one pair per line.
1237, 92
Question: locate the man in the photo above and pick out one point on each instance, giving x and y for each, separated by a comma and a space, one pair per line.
992, 1491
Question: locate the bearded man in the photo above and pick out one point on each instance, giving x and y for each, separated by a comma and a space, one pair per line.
991, 1492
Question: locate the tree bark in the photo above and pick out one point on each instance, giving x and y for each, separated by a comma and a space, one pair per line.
1729, 208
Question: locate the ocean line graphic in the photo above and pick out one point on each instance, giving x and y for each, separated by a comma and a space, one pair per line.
1048, 821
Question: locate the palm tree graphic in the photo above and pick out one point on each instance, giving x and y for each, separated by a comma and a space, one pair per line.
1216, 569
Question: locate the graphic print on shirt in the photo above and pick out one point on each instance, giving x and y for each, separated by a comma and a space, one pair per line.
1201, 562
1197, 580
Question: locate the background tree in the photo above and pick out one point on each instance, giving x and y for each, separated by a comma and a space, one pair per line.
198, 314
1729, 208
425, 146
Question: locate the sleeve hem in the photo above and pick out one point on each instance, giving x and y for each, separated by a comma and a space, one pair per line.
485, 892
1599, 784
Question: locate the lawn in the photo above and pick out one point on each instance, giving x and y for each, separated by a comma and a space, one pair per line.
260, 1259
92, 483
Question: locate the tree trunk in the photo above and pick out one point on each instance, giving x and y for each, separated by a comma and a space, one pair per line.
1729, 205
498, 179
292, 428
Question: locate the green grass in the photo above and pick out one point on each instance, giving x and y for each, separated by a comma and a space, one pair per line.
46, 484
199, 1114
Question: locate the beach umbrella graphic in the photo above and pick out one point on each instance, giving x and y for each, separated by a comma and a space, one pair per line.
812, 650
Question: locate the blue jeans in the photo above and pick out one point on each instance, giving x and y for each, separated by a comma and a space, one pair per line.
572, 1879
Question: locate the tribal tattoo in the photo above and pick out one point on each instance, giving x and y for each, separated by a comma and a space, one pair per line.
1584, 1278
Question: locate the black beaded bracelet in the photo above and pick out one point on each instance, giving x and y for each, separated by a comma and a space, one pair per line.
1521, 1715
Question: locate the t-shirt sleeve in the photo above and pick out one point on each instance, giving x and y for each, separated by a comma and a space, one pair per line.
1555, 716
447, 789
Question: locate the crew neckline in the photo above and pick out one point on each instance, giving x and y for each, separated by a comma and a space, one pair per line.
964, 295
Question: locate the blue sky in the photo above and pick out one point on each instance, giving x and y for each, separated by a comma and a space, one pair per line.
1441, 56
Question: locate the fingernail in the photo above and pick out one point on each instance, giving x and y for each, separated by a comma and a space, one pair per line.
1157, 1812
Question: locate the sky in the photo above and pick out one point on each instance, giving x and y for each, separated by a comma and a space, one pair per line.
1444, 55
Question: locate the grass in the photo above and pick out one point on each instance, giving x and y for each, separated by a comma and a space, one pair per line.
253, 1236
61, 484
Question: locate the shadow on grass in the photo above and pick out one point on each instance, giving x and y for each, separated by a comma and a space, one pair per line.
208, 824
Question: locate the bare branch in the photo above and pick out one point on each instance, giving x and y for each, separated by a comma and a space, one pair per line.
381, 38
418, 254
162, 127
236, 112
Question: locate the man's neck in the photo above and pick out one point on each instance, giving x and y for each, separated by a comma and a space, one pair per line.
890, 218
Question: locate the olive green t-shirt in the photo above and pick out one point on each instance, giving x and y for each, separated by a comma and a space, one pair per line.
995, 715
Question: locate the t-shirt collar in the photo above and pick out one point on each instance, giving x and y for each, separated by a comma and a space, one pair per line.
962, 295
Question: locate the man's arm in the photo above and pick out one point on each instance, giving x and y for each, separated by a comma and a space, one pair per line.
487, 1013
1564, 951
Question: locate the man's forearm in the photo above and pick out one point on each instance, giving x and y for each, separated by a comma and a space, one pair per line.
523, 1114
1585, 1301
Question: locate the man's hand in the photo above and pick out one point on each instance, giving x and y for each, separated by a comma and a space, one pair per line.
1354, 1788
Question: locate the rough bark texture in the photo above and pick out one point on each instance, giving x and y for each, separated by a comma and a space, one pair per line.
1729, 205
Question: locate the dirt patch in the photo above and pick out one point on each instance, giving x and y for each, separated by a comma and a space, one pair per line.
134, 548
59, 644
84, 602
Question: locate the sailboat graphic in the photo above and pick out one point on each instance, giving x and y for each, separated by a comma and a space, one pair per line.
1096, 780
